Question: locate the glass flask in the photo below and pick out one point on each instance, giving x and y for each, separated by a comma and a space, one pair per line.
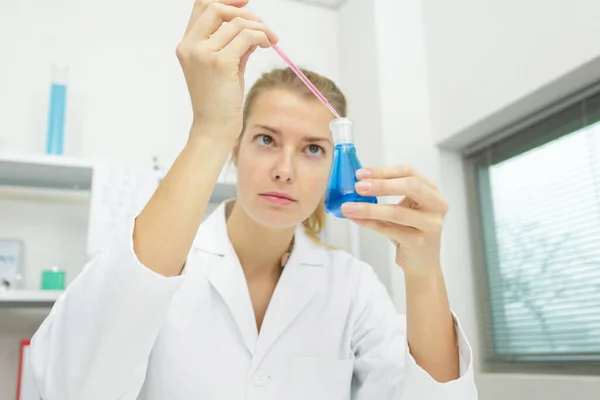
342, 176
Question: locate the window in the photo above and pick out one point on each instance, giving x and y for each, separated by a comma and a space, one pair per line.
538, 198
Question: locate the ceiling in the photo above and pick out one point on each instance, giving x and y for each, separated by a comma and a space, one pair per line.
324, 3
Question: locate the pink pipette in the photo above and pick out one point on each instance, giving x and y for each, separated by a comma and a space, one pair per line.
306, 81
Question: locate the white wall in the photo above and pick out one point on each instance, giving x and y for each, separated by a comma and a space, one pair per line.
127, 102
360, 83
484, 57
384, 75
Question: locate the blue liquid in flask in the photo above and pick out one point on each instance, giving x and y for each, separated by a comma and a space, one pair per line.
342, 177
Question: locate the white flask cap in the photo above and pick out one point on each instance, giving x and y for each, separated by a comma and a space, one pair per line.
342, 130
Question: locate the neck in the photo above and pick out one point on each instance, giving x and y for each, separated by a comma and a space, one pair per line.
259, 248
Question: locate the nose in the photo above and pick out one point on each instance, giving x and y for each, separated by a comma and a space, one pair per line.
284, 169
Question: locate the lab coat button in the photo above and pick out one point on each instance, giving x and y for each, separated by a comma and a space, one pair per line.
261, 378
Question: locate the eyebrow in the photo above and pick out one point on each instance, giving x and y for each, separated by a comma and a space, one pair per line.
310, 139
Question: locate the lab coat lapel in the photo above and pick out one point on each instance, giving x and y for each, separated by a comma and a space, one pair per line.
302, 278
225, 274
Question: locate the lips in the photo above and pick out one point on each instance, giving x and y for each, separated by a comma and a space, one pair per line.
278, 198
280, 195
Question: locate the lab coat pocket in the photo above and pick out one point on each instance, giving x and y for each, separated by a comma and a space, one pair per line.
320, 379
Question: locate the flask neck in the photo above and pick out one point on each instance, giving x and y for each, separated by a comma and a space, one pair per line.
342, 130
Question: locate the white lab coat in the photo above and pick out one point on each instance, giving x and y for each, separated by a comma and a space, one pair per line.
331, 332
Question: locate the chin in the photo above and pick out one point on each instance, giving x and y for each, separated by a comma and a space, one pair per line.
275, 223
274, 216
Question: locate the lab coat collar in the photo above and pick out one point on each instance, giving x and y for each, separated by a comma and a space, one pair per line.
301, 279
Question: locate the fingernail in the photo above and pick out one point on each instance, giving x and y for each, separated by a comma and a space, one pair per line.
348, 208
363, 173
363, 186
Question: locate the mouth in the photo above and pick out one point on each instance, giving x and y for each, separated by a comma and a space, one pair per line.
279, 198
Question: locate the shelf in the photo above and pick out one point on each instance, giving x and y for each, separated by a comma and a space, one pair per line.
28, 298
65, 173
45, 171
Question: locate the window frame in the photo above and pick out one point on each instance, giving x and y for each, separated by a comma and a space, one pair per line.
571, 114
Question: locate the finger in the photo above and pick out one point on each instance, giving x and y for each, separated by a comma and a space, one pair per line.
392, 213
223, 36
391, 172
201, 5
214, 16
411, 186
243, 42
403, 235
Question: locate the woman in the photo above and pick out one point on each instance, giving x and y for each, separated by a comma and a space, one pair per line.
248, 304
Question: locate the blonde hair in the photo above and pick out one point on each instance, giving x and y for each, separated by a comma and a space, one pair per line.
285, 78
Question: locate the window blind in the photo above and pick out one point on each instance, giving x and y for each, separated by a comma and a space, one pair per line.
539, 206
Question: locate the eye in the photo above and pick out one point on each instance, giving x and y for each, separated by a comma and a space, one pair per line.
314, 149
264, 140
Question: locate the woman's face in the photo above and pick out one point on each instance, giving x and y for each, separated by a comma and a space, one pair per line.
284, 158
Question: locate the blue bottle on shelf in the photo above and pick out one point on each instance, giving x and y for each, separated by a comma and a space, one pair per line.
342, 177
57, 112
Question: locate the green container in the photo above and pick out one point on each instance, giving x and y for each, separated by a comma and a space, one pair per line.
53, 279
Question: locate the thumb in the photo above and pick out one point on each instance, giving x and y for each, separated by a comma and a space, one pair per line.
244, 59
